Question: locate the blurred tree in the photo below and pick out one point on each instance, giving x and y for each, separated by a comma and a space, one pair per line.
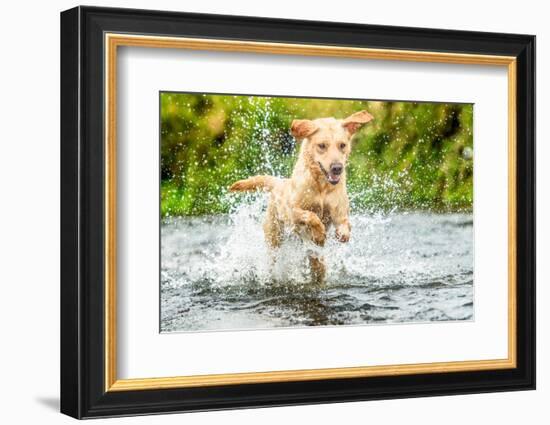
413, 155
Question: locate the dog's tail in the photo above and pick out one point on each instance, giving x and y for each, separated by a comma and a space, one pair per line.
265, 183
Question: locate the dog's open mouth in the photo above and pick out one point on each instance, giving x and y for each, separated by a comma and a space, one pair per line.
331, 177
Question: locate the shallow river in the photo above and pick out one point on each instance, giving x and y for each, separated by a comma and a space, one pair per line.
216, 273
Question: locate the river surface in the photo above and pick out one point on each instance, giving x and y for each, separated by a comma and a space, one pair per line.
216, 273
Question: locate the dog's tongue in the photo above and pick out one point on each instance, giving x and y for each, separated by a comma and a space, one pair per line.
333, 178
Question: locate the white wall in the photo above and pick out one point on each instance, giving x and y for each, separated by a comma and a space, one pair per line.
29, 224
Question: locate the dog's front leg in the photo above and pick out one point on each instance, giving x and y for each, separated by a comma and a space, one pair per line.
343, 228
311, 221
343, 231
339, 215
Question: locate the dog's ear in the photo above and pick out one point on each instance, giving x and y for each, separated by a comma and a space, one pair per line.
356, 121
301, 129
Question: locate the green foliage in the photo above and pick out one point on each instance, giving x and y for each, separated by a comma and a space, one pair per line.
411, 156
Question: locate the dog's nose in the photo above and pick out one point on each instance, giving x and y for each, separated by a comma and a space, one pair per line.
336, 169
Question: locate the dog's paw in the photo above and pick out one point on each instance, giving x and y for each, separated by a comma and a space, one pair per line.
342, 234
342, 237
318, 233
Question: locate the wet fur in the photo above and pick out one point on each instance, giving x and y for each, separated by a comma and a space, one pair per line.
307, 203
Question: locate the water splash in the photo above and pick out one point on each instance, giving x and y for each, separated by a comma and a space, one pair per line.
217, 272
397, 267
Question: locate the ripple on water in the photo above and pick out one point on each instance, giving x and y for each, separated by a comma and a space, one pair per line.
216, 273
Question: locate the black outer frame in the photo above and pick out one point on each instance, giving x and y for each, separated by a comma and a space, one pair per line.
82, 212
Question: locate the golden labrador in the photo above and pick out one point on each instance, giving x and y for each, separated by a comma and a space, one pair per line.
315, 196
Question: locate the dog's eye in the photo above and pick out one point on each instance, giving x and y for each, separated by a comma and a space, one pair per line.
342, 146
322, 146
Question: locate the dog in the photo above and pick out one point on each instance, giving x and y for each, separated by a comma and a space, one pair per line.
314, 198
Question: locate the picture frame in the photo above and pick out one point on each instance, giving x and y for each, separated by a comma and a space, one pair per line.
90, 40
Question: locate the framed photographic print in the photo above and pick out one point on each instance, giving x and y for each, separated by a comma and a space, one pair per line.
261, 212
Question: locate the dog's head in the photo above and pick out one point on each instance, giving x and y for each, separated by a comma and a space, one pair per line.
328, 142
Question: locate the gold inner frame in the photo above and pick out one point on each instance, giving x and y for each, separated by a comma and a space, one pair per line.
113, 41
